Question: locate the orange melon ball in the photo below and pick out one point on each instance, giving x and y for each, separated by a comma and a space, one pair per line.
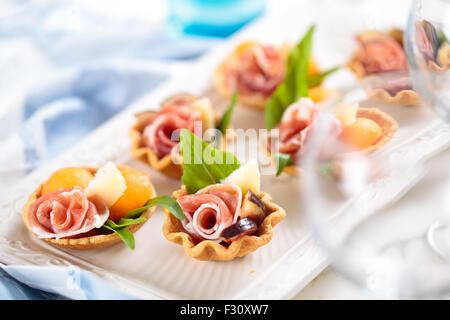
67, 178
319, 94
362, 133
313, 67
138, 192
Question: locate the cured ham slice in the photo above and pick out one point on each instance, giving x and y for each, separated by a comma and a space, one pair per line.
382, 54
292, 128
158, 134
299, 122
211, 210
66, 213
257, 69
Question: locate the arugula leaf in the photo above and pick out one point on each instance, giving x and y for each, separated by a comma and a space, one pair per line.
203, 165
133, 217
124, 233
282, 161
224, 123
164, 201
124, 222
295, 84
317, 79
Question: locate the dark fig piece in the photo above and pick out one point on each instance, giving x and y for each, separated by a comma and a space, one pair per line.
253, 208
241, 228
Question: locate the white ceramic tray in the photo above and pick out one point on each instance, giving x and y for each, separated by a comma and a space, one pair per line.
158, 269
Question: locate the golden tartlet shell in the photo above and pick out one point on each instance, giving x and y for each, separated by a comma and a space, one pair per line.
401, 98
140, 152
85, 243
388, 125
209, 250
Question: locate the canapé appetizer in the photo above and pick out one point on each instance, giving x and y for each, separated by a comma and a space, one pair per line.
359, 130
83, 208
154, 135
433, 45
226, 215
380, 60
255, 70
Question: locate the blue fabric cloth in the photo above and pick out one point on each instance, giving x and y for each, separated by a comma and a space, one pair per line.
55, 282
67, 110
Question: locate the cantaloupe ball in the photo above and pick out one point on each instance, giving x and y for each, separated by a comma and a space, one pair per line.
362, 133
320, 94
67, 178
313, 67
137, 193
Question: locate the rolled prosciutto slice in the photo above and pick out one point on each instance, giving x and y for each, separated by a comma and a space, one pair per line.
299, 121
292, 127
258, 69
66, 213
211, 210
382, 54
157, 135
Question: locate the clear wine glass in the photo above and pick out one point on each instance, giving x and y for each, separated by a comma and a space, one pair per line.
384, 217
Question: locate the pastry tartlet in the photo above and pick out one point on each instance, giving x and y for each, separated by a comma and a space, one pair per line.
180, 111
433, 46
58, 204
226, 215
206, 250
351, 130
378, 54
254, 70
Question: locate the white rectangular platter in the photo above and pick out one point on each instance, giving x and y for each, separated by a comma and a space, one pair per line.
158, 269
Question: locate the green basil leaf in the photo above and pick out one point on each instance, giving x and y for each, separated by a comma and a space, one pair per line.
317, 79
123, 222
124, 234
164, 201
224, 123
295, 84
282, 161
203, 165
132, 217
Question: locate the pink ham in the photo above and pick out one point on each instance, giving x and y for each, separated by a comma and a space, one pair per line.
297, 125
258, 70
382, 55
326, 131
292, 127
66, 213
211, 210
157, 135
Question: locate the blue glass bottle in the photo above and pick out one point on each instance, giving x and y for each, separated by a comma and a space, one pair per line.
215, 18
